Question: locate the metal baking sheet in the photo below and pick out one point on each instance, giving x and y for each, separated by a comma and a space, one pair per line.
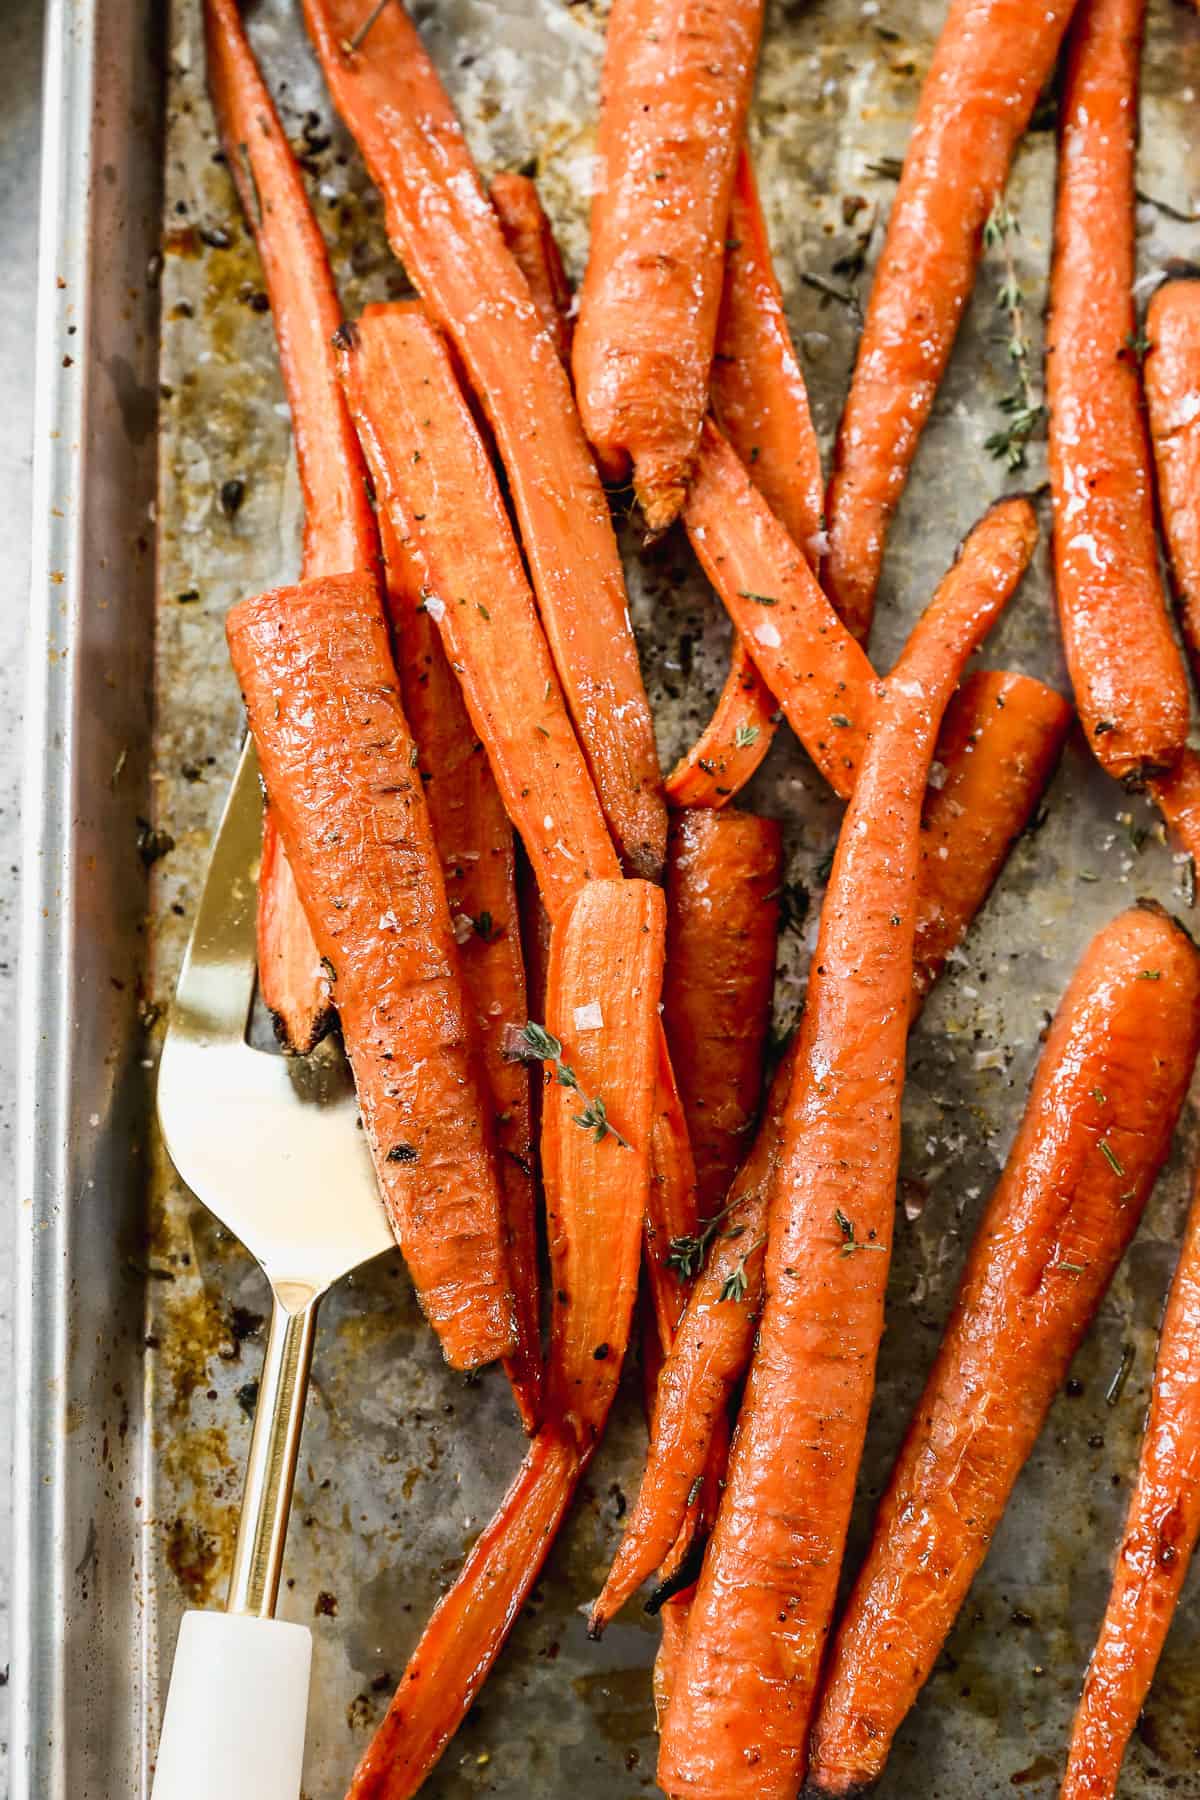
141, 1326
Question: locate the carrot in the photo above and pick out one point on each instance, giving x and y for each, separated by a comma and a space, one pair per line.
761, 406
1171, 373
1128, 675
338, 762
706, 1361
532, 245
759, 397
470, 1623
1178, 798
339, 532
672, 1206
738, 1719
674, 95
723, 882
433, 477
734, 742
991, 62
818, 674
449, 240
606, 951
999, 743
1096, 1130
1159, 1537
475, 845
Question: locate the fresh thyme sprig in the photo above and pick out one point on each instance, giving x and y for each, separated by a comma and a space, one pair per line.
850, 1245
535, 1044
686, 1254
1024, 411
735, 1283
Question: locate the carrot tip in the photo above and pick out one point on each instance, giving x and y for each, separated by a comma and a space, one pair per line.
295, 1042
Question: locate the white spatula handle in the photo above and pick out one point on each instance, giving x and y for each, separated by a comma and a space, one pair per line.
236, 1709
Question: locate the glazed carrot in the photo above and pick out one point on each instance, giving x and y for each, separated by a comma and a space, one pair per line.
608, 943
818, 674
605, 979
1171, 373
991, 62
706, 1361
738, 1719
1178, 798
723, 877
672, 1207
734, 742
533, 247
1157, 1542
475, 844
1096, 1130
758, 393
448, 237
999, 744
337, 758
470, 1624
339, 531
676, 86
1126, 669
433, 476
761, 405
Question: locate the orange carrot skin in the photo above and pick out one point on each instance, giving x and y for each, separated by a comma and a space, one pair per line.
746, 1684
761, 405
470, 1624
606, 950
706, 1361
758, 393
339, 530
1129, 680
675, 90
723, 881
999, 744
433, 475
448, 237
1177, 795
1171, 373
991, 62
475, 843
534, 249
1159, 1537
1114, 1073
335, 751
672, 1205
818, 673
734, 742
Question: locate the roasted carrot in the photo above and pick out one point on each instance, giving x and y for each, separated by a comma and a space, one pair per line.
675, 90
758, 393
606, 957
761, 405
1000, 741
1171, 373
1177, 795
1096, 1130
433, 476
448, 237
991, 62
819, 675
1128, 675
339, 531
734, 742
534, 249
706, 1361
738, 1719
338, 762
470, 1624
723, 883
672, 1206
1157, 1542
475, 844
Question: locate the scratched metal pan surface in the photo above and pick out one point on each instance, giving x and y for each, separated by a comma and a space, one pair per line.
142, 1319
